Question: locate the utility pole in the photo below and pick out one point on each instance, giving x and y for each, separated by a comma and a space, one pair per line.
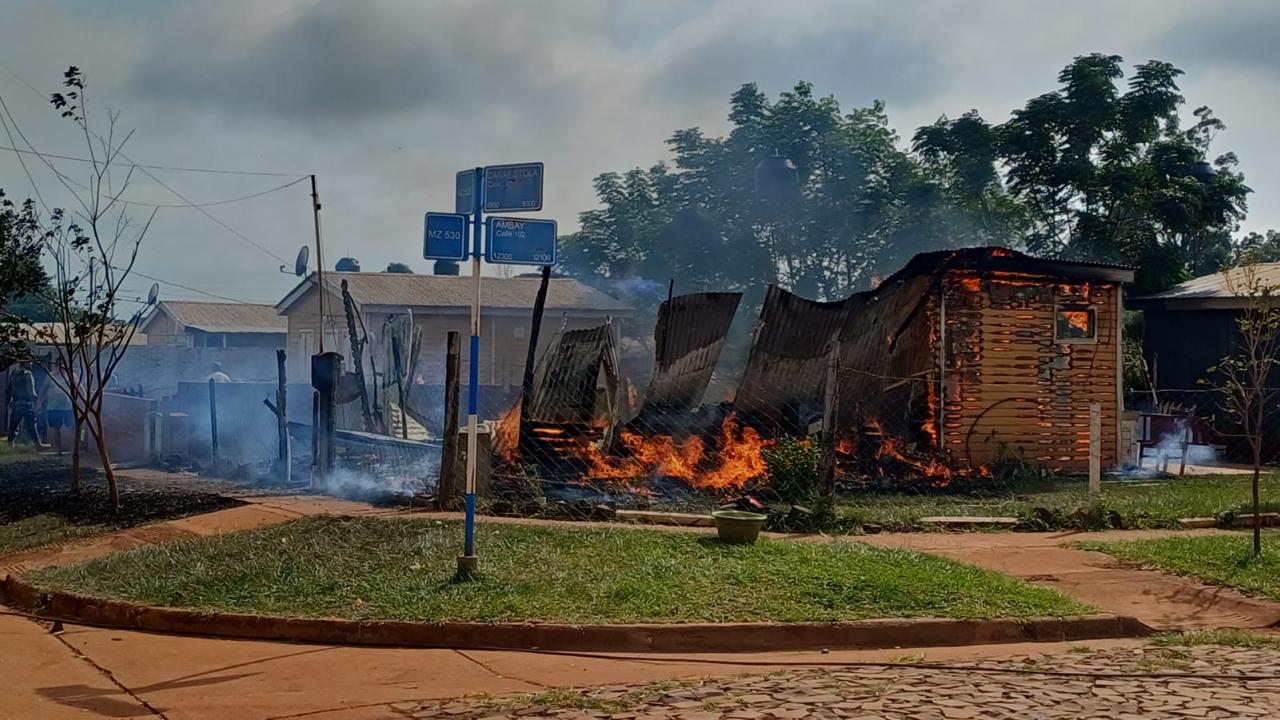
315, 211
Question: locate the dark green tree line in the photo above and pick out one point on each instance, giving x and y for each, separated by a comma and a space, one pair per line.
1088, 171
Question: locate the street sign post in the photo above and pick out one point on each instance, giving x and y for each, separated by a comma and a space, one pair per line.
445, 236
513, 188
516, 241
511, 241
464, 194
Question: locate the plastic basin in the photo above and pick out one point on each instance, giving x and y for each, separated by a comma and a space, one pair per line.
738, 526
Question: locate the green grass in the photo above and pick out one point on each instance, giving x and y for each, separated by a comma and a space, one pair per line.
401, 569
1221, 559
41, 530
11, 453
1227, 637
1153, 504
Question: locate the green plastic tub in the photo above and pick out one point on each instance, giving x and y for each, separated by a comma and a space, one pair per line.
738, 526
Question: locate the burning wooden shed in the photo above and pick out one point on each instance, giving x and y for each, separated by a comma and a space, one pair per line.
959, 354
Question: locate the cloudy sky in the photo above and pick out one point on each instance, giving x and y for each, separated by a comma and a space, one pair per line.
384, 100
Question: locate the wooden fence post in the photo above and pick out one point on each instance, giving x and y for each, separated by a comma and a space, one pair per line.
326, 373
282, 419
1095, 449
213, 418
526, 382
450, 487
830, 424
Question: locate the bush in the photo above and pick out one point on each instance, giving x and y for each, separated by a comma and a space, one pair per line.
794, 468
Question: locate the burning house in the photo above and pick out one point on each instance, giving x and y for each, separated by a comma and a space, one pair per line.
962, 354
958, 357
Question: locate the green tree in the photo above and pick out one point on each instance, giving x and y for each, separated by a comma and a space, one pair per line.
1105, 174
864, 204
1244, 376
399, 267
22, 278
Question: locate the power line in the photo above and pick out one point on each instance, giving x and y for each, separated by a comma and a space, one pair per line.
65, 180
139, 203
175, 168
188, 287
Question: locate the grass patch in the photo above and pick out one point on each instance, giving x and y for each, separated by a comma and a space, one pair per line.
42, 530
1225, 637
1153, 504
401, 569
1221, 559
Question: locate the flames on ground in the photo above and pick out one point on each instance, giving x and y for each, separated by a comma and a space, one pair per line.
728, 460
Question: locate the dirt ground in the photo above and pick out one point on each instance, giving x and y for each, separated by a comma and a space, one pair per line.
41, 486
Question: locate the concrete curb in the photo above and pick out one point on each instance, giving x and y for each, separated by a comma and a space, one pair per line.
635, 638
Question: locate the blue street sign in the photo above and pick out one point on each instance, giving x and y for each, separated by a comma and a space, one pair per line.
513, 188
464, 200
516, 241
445, 236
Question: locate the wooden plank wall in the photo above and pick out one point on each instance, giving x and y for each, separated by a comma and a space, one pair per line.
1007, 379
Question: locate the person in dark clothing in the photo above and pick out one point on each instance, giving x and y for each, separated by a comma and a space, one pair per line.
21, 392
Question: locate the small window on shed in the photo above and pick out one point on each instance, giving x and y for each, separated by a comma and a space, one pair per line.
1076, 323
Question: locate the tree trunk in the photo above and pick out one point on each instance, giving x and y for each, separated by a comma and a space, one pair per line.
100, 442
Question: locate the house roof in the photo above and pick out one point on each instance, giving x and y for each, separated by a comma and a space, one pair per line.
222, 317
47, 333
454, 291
1226, 290
1002, 259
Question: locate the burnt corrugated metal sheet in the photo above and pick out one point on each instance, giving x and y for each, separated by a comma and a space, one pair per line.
786, 371
566, 386
688, 338
888, 359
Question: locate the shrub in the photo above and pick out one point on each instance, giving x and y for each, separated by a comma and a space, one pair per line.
793, 466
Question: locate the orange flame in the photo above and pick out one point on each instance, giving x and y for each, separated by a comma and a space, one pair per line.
735, 461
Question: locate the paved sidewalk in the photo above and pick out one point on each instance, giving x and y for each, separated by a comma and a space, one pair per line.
1160, 600
897, 693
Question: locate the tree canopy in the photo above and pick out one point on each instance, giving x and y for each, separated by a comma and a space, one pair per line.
1086, 171
22, 278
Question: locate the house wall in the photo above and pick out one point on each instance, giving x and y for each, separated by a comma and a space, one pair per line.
503, 346
166, 331
1009, 381
1180, 364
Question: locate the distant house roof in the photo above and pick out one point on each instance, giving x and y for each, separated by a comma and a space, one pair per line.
47, 333
217, 317
454, 292
1224, 290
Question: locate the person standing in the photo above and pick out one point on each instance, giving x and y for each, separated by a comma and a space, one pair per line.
217, 375
21, 392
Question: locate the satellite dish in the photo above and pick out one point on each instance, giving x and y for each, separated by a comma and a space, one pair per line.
300, 264
153, 293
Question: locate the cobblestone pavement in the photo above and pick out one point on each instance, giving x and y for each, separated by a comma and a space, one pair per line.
885, 693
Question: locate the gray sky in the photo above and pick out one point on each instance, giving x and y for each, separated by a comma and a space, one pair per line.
384, 100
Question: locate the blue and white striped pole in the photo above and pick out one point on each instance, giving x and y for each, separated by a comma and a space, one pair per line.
468, 564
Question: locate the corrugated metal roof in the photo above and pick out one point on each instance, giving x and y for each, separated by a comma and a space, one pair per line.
454, 291
690, 333
1226, 284
224, 317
